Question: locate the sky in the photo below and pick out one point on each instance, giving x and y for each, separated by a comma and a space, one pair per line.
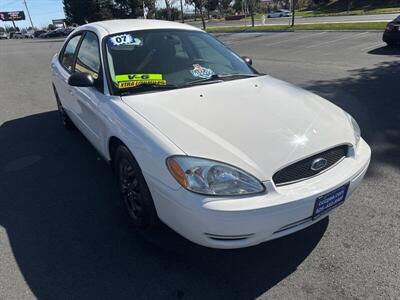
42, 11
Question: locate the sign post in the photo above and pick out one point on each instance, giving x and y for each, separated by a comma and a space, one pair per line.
29, 15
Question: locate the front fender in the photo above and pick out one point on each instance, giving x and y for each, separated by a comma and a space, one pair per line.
147, 144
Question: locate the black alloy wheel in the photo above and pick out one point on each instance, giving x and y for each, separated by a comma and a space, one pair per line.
134, 190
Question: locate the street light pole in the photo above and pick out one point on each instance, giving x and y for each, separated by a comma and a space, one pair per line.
29, 15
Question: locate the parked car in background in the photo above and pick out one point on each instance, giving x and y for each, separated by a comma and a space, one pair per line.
28, 35
68, 30
3, 35
59, 32
37, 33
18, 35
391, 36
279, 13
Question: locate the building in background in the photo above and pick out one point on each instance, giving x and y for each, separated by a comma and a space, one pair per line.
59, 23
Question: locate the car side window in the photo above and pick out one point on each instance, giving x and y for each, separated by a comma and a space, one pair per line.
88, 59
67, 58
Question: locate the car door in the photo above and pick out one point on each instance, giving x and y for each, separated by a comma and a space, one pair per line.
86, 102
62, 69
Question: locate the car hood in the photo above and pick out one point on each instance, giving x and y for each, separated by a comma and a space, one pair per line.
259, 124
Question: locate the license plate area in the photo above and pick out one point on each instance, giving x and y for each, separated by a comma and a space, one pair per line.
329, 201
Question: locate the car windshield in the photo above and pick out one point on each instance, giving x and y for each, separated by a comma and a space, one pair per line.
170, 58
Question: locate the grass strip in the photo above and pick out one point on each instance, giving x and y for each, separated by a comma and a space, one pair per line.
354, 12
317, 26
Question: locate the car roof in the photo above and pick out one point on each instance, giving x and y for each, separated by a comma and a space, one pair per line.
115, 26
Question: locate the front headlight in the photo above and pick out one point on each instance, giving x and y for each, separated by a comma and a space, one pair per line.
213, 178
356, 129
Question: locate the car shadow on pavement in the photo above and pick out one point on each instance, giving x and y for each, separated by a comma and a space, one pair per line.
386, 50
72, 239
371, 96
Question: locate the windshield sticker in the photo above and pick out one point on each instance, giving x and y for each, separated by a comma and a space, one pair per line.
128, 77
125, 39
201, 72
133, 80
134, 83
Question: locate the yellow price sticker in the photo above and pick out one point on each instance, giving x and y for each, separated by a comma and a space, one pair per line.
138, 77
134, 83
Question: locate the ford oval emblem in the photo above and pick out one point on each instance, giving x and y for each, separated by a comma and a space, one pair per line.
318, 164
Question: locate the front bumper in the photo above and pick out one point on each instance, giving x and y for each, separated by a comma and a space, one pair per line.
244, 221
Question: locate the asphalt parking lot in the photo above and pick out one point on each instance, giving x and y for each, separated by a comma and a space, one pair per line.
64, 233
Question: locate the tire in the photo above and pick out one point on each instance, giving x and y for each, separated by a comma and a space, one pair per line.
65, 120
134, 190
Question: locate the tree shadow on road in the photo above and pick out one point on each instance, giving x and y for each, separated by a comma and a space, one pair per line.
372, 97
72, 238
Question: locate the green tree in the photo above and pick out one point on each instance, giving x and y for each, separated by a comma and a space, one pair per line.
199, 5
210, 5
163, 14
124, 9
81, 12
168, 8
78, 11
223, 6
151, 8
252, 4
237, 5
103, 10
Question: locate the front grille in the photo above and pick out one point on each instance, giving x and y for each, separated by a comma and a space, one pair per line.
302, 169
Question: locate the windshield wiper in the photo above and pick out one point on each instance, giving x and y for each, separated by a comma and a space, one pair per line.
221, 77
147, 87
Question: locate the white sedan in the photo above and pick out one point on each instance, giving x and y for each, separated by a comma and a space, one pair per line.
197, 138
279, 13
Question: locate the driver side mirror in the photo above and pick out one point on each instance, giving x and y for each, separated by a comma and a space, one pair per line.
248, 60
81, 80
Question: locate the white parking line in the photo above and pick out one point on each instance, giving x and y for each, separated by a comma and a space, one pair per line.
372, 47
267, 35
299, 38
339, 39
